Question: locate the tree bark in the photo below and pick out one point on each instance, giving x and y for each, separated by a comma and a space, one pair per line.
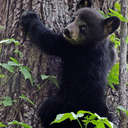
123, 65
55, 14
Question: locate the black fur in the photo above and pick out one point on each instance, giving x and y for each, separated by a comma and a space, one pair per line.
85, 68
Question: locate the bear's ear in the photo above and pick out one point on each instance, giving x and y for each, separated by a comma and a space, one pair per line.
110, 25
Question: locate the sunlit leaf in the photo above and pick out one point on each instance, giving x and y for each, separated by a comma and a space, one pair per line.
117, 14
93, 118
9, 41
117, 6
14, 60
62, 117
113, 77
2, 125
115, 40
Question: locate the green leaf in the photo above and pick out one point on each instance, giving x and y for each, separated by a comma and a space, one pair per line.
115, 40
109, 124
121, 108
19, 123
76, 116
2, 75
89, 117
44, 77
72, 116
127, 39
99, 124
103, 14
112, 37
84, 112
11, 63
9, 41
98, 121
62, 117
14, 60
2, 125
18, 52
6, 41
117, 6
26, 99
8, 67
7, 101
117, 14
51, 78
26, 73
113, 77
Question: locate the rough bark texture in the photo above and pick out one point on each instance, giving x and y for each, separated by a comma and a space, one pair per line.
55, 14
123, 66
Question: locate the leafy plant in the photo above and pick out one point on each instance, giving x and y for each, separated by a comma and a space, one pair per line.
26, 73
51, 78
2, 125
7, 66
9, 41
103, 14
2, 75
26, 99
121, 108
18, 52
15, 122
99, 122
117, 12
7, 101
113, 77
115, 40
117, 7
13, 64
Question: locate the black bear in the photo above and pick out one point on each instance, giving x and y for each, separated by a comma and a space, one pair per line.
87, 56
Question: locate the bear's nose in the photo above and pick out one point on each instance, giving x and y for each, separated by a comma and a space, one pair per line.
67, 33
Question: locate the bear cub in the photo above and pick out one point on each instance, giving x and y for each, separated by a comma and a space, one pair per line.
87, 57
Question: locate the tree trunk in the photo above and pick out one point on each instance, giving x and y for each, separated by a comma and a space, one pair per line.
123, 65
55, 14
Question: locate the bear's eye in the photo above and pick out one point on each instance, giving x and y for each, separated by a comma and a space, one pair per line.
83, 28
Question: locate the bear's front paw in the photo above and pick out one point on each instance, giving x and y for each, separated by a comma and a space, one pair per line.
27, 18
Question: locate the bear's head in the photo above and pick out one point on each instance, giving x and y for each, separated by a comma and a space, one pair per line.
90, 26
